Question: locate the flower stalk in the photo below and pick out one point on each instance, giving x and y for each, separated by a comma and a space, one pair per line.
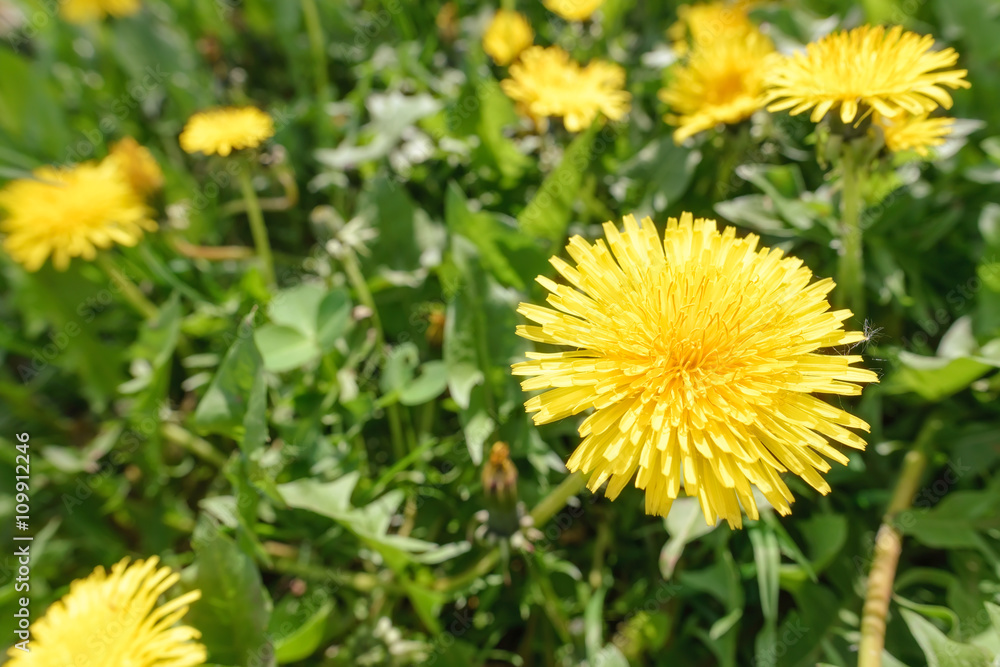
889, 546
129, 290
257, 228
547, 508
851, 268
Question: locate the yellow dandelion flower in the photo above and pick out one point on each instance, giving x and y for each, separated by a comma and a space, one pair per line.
111, 620
70, 212
916, 133
138, 165
546, 82
710, 22
225, 129
722, 83
573, 10
699, 355
890, 71
508, 34
85, 11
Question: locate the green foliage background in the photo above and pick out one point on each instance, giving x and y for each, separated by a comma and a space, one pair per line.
316, 472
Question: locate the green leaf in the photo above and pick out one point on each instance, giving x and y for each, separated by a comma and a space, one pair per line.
767, 556
548, 213
663, 171
825, 536
222, 408
234, 608
297, 307
935, 378
511, 257
685, 523
284, 348
431, 382
304, 639
255, 420
940, 650
334, 318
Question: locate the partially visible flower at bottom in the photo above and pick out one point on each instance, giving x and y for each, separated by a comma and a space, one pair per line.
85, 11
138, 165
69, 212
917, 133
546, 82
112, 620
699, 355
507, 35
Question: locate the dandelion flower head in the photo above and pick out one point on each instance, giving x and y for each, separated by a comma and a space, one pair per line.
67, 212
85, 11
225, 129
113, 620
706, 23
888, 71
722, 83
546, 82
508, 34
699, 355
913, 133
573, 10
138, 165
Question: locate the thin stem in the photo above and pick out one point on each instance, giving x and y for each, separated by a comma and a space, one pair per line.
545, 510
200, 447
889, 546
851, 270
318, 54
354, 276
556, 500
129, 290
360, 285
257, 227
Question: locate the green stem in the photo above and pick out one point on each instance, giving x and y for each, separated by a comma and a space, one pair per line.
257, 227
851, 270
318, 53
360, 285
359, 581
545, 510
889, 546
556, 500
200, 447
129, 290
735, 143
354, 276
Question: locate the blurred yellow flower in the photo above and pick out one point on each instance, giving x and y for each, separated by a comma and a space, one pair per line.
225, 129
916, 133
699, 355
723, 82
573, 10
111, 620
85, 11
508, 34
710, 22
138, 165
890, 72
546, 82
70, 212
